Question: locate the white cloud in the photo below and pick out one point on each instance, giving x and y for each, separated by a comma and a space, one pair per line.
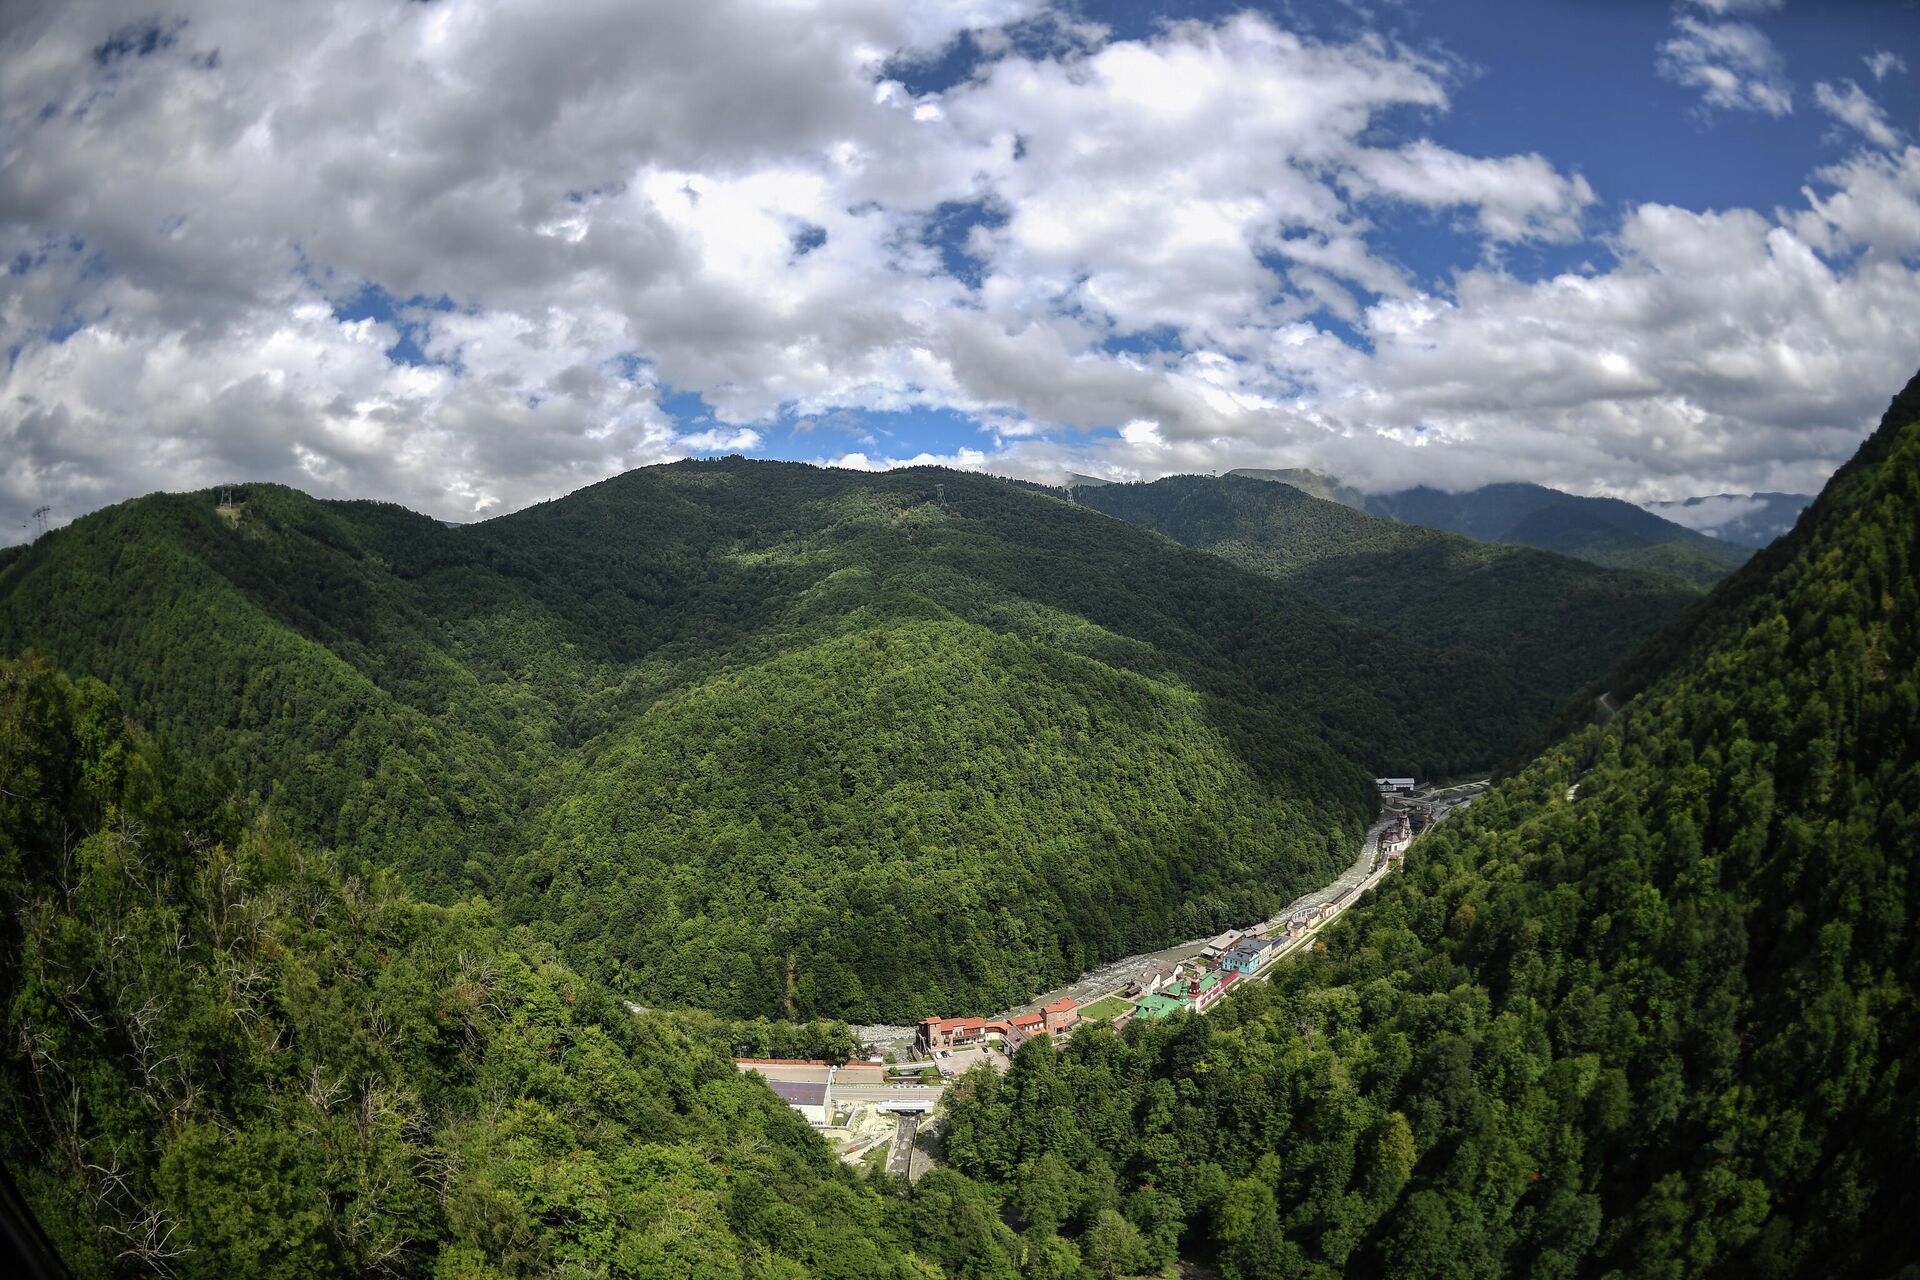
1852, 106
720, 440
1733, 65
962, 459
1739, 6
1884, 62
1517, 197
579, 209
1712, 513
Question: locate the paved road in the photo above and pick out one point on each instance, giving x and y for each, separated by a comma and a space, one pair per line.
1094, 983
882, 1094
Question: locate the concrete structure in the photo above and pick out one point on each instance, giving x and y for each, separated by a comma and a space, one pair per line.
1390, 785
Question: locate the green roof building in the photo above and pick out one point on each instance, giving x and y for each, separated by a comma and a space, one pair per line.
1157, 1006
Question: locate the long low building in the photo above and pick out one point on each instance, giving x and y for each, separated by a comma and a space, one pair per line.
807, 1097
1056, 1021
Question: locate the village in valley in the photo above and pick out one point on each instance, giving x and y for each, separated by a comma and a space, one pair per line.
873, 1108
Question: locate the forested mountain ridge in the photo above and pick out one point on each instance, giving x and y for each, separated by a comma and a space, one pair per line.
228, 1055
697, 720
1605, 531
1555, 622
1308, 481
1647, 1008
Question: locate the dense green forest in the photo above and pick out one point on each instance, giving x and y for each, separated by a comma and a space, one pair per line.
229, 1055
767, 738
1647, 1009
1555, 622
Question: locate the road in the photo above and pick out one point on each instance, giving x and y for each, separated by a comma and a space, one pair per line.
883, 1094
1095, 983
900, 1159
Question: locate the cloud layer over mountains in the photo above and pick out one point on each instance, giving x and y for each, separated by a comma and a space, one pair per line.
457, 254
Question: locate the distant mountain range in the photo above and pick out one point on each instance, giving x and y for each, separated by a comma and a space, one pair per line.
1554, 621
1750, 519
1603, 531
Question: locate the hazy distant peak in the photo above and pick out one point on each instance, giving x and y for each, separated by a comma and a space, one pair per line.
1750, 519
1317, 483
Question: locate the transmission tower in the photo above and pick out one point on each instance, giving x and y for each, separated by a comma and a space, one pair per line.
40, 522
940, 494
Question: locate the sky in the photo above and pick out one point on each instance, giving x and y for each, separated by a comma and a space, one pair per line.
468, 255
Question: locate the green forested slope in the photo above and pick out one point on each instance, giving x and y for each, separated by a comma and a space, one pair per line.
1647, 1009
1554, 622
226, 1055
644, 718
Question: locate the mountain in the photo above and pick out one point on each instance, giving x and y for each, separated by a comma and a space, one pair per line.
228, 1054
1647, 1008
1750, 519
1316, 483
1555, 622
766, 738
1605, 531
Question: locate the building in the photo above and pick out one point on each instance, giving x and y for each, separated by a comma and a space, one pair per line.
1221, 944
938, 1034
818, 1070
1151, 979
1157, 1006
1061, 1017
808, 1097
1022, 1027
1199, 995
1247, 957
1205, 990
1390, 785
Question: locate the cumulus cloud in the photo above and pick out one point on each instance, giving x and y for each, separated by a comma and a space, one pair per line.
1733, 65
1117, 256
1851, 105
1516, 197
959, 460
1884, 62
